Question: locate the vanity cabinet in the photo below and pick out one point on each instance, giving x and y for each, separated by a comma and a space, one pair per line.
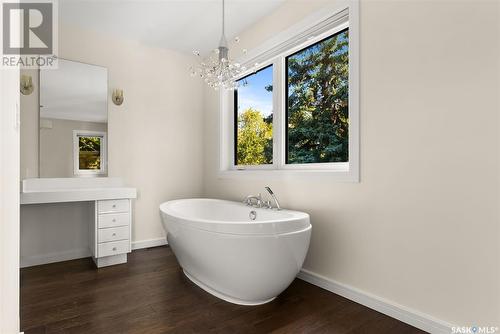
111, 232
109, 216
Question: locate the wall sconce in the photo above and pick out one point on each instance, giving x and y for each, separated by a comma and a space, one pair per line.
27, 86
117, 96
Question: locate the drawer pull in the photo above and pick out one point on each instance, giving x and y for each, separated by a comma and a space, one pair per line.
113, 234
111, 206
113, 248
113, 220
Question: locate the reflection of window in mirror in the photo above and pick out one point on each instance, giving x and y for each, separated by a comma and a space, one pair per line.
73, 97
89, 152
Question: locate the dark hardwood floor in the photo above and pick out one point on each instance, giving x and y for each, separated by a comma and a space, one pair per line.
150, 294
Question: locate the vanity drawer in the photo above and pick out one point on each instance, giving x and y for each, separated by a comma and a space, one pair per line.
113, 248
113, 234
115, 205
113, 220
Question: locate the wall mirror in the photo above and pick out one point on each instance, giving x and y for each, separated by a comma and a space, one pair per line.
73, 120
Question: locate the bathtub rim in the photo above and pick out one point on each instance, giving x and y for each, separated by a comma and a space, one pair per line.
246, 234
297, 215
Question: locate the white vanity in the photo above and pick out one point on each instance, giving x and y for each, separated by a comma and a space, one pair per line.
71, 209
111, 201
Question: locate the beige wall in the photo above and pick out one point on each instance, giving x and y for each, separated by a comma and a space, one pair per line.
159, 124
421, 229
56, 146
154, 137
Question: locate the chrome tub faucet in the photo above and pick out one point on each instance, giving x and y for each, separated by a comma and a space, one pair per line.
257, 202
276, 203
252, 200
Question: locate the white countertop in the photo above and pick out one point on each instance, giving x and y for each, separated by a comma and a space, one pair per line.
58, 190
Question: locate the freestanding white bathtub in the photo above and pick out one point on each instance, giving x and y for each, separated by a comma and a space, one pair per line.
223, 251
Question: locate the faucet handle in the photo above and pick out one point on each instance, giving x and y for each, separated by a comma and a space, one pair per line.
249, 200
259, 200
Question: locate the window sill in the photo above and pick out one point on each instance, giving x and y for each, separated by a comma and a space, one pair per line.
287, 174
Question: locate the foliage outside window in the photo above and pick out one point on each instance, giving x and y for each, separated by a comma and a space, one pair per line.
89, 152
317, 102
254, 119
317, 114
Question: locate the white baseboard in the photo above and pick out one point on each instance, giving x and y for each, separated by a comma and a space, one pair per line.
417, 319
72, 254
140, 244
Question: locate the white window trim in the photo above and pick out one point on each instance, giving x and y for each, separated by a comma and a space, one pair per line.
312, 29
76, 153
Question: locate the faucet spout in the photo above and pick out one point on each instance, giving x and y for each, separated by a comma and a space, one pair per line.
276, 203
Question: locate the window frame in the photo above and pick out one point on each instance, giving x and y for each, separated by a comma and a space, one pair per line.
76, 153
235, 125
319, 26
286, 107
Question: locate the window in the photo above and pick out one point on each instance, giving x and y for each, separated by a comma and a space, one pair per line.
253, 117
317, 88
89, 152
298, 111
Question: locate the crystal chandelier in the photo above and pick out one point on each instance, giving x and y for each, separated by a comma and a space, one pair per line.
218, 70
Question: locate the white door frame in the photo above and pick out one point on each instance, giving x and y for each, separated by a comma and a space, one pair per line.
9, 200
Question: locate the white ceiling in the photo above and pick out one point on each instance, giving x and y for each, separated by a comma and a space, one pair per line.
182, 25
